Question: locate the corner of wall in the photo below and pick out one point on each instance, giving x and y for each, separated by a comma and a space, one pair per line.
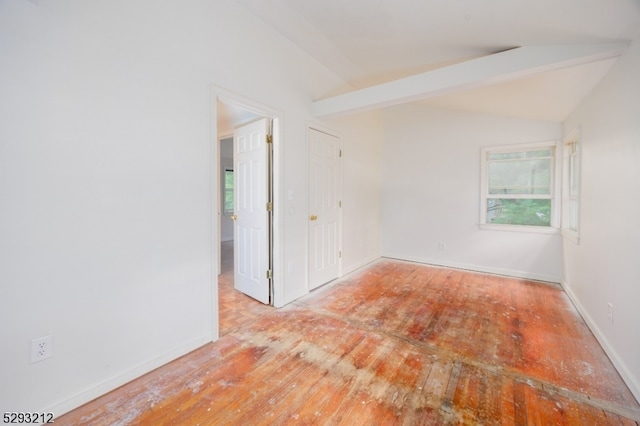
616, 359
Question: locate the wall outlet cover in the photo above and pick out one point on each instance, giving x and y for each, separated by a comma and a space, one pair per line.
41, 348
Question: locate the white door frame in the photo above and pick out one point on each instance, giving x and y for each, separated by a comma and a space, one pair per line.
219, 94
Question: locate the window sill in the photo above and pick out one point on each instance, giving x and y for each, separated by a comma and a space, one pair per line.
520, 228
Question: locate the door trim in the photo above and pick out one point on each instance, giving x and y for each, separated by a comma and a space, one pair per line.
219, 94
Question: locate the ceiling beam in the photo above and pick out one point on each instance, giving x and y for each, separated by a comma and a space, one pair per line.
500, 67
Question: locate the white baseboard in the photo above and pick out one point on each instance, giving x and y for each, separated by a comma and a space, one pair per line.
344, 272
110, 384
477, 268
632, 382
292, 298
352, 268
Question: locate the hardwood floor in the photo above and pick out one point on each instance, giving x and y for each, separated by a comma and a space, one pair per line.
235, 308
397, 343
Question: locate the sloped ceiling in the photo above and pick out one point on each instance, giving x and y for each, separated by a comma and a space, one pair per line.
369, 42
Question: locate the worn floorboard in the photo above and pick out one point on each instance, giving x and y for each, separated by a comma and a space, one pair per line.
396, 344
234, 308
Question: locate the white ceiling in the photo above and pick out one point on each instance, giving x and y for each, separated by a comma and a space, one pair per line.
369, 42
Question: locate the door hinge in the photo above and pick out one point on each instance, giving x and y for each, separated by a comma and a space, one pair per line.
339, 203
340, 155
269, 274
269, 138
269, 206
340, 254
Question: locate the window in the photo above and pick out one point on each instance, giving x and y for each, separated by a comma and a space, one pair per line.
518, 187
571, 186
228, 191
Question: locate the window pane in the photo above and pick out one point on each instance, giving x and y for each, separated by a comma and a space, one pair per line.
228, 178
519, 211
228, 201
228, 191
520, 176
573, 176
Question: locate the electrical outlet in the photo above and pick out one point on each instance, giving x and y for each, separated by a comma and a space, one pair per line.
442, 246
41, 348
610, 312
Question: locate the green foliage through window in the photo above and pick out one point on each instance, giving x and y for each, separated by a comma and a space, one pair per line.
519, 212
518, 186
228, 191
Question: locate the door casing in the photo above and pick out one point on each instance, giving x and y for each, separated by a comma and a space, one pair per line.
219, 94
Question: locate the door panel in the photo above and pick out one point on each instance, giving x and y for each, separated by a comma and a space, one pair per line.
251, 230
324, 208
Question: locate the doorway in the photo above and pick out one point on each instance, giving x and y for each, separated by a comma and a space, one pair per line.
235, 309
231, 112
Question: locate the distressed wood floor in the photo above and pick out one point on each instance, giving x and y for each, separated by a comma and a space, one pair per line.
398, 343
235, 309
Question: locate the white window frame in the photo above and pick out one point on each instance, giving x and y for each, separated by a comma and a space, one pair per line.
571, 159
554, 188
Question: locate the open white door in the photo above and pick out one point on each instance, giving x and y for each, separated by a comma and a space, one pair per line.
324, 207
251, 214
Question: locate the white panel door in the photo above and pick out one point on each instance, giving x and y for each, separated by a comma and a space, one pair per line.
251, 230
324, 207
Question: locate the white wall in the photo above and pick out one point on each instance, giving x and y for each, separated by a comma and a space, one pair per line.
431, 192
106, 165
604, 268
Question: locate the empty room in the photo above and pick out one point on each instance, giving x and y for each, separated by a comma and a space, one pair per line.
415, 212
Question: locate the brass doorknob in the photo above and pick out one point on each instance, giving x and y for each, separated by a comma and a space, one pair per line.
234, 217
313, 217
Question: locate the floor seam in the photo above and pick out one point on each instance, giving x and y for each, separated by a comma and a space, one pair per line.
517, 376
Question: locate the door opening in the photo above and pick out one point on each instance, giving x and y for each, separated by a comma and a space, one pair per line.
232, 112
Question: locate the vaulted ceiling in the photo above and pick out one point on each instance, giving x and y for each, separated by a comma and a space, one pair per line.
374, 42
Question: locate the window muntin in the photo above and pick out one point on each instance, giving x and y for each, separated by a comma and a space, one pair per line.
518, 185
